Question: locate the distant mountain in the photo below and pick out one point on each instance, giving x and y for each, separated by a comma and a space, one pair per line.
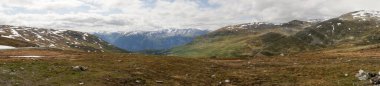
20, 36
236, 40
354, 30
151, 40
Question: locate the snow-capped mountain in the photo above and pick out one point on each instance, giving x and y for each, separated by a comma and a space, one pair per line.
258, 27
361, 15
61, 39
150, 40
350, 31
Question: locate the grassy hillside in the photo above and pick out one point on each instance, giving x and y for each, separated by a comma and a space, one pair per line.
332, 34
228, 46
346, 31
15, 43
242, 40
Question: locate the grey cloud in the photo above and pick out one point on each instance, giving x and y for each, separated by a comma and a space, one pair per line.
118, 22
176, 13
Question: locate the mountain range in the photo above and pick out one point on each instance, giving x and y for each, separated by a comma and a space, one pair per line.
144, 41
350, 31
354, 30
22, 36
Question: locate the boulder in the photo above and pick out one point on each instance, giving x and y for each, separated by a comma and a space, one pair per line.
79, 68
374, 78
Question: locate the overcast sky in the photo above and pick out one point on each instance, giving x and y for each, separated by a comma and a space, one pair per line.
130, 15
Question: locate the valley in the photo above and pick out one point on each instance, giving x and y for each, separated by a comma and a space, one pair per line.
189, 43
119, 69
149, 41
295, 53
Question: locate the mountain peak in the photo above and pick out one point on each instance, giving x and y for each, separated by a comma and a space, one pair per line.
361, 15
52, 38
152, 40
365, 13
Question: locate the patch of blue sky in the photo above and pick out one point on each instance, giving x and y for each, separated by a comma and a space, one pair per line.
149, 3
206, 4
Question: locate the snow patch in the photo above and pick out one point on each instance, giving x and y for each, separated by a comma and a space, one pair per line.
333, 29
243, 26
339, 24
14, 34
4, 47
85, 36
366, 13
319, 26
59, 31
52, 45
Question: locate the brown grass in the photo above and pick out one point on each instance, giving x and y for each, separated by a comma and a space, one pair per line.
118, 69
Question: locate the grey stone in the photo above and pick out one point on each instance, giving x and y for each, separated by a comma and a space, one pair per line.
79, 68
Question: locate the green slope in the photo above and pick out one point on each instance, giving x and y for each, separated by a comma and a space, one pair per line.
345, 32
227, 46
237, 40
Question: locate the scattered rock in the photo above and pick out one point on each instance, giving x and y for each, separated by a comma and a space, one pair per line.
130, 81
282, 54
361, 75
346, 74
295, 63
119, 60
79, 68
159, 81
81, 83
374, 78
213, 76
348, 61
227, 81
138, 73
138, 81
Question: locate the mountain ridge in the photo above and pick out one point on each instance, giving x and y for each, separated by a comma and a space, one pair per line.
348, 30
151, 40
52, 38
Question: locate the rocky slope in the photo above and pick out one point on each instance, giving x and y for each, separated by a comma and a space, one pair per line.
236, 40
349, 31
151, 40
355, 29
16, 43
61, 39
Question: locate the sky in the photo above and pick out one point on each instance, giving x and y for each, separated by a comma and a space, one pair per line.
142, 15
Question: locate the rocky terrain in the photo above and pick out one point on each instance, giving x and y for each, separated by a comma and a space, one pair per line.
355, 30
57, 67
341, 51
20, 36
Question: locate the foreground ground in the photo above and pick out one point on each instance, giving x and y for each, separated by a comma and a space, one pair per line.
55, 68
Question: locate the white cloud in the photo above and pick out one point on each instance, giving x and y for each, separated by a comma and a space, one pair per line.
41, 4
126, 15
